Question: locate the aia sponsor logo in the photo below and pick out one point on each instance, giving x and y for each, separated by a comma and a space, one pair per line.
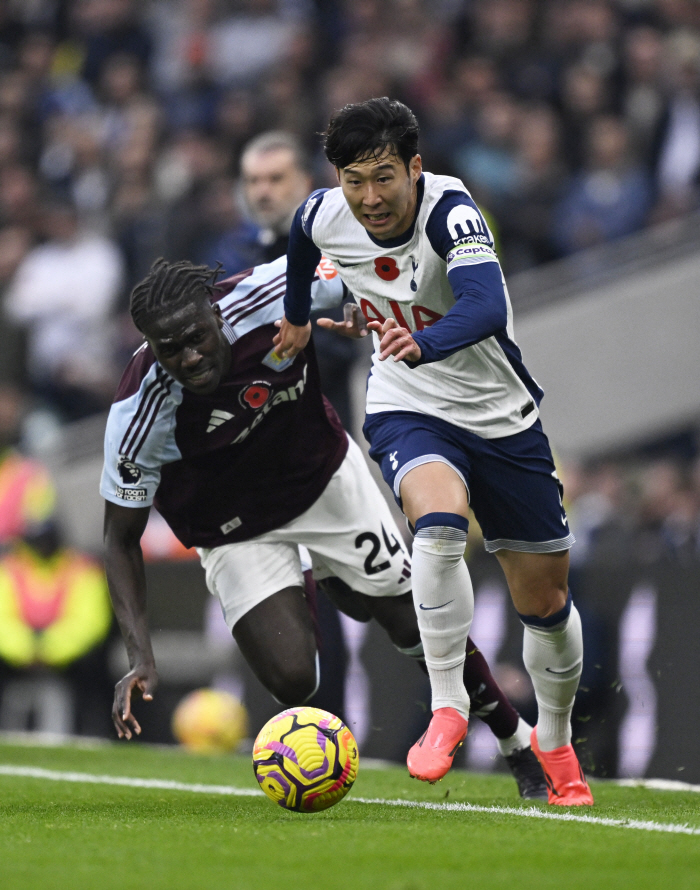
255, 395
422, 316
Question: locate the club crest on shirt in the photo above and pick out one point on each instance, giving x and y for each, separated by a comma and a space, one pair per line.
129, 473
276, 362
255, 395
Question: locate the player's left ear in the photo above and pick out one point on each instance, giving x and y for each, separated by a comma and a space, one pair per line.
415, 168
217, 313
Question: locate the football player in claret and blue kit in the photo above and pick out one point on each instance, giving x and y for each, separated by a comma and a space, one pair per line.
452, 417
246, 461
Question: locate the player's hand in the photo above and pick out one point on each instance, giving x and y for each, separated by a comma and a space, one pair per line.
142, 678
353, 326
291, 339
395, 340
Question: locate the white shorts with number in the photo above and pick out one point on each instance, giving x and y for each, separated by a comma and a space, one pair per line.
349, 532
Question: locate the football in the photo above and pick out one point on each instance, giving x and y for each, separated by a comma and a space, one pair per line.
210, 721
305, 759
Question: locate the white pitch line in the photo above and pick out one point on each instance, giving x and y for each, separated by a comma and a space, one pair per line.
33, 772
534, 813
658, 785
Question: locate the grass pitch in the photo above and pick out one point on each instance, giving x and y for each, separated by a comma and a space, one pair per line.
99, 836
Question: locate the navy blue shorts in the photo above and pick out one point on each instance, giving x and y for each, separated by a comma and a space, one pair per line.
512, 483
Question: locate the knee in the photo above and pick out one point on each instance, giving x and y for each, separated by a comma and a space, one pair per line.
551, 601
397, 615
295, 684
550, 616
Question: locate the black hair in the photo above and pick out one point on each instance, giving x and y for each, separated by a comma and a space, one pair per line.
368, 129
168, 287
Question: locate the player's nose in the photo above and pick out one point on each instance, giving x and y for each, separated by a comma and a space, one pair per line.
371, 196
190, 357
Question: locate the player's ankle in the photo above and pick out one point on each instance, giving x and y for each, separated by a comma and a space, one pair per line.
519, 740
553, 729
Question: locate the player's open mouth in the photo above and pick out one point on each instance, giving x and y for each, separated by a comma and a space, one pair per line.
376, 219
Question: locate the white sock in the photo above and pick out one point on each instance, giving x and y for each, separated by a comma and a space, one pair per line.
519, 740
554, 659
444, 601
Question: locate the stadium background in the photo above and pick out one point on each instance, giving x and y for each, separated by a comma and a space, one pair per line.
575, 123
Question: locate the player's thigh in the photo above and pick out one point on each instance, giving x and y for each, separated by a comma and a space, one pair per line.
243, 575
277, 640
350, 533
423, 460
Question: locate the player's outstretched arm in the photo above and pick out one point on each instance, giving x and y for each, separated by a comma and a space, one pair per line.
126, 577
395, 340
353, 326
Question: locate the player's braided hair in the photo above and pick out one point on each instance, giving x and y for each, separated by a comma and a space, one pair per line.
367, 129
169, 286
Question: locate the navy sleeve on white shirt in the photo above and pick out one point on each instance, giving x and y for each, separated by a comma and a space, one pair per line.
302, 259
459, 234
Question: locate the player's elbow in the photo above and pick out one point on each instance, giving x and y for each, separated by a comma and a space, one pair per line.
498, 316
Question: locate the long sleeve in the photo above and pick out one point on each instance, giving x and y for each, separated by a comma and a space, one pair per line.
459, 234
302, 258
480, 312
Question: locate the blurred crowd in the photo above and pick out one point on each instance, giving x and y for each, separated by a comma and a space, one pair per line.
634, 511
129, 130
123, 125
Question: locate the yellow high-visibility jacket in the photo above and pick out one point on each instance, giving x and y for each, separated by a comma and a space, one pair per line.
52, 611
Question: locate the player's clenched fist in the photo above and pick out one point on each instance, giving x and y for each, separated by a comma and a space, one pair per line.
395, 340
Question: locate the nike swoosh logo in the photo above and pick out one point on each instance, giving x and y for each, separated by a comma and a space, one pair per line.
430, 608
568, 671
348, 265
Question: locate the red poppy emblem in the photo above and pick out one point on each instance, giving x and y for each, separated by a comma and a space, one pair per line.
386, 268
255, 395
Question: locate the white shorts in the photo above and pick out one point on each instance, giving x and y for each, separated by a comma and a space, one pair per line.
349, 533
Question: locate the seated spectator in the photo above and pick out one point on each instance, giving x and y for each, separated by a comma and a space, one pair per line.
539, 175
104, 29
609, 198
63, 292
487, 162
224, 237
677, 155
642, 87
584, 96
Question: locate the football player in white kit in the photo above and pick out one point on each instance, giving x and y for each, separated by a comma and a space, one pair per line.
452, 417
